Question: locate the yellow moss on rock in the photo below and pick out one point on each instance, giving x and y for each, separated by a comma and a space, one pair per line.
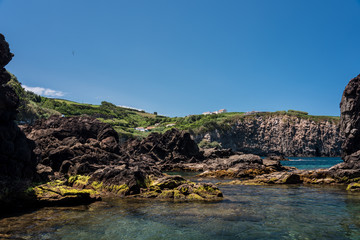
353, 187
78, 180
194, 196
167, 194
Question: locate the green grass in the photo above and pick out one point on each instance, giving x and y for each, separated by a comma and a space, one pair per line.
125, 120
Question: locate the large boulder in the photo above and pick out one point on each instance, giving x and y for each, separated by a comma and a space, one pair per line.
168, 149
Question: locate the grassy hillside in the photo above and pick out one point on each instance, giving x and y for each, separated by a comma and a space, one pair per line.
125, 120
29, 108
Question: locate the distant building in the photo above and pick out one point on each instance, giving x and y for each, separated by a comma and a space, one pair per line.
170, 124
215, 112
149, 128
141, 129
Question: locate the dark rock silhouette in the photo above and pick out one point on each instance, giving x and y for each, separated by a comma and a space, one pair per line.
17, 160
350, 118
350, 126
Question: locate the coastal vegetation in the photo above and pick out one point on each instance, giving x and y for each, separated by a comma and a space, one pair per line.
131, 123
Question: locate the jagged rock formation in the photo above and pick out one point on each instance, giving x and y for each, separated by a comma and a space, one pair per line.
350, 118
281, 135
350, 125
82, 157
171, 148
83, 146
17, 161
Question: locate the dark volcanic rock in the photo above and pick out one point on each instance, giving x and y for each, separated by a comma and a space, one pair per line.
350, 125
86, 153
75, 145
168, 149
17, 160
350, 117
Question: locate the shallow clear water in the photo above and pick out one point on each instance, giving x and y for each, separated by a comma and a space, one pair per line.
311, 162
247, 212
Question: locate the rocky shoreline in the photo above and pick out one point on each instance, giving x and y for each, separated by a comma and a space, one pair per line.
79, 160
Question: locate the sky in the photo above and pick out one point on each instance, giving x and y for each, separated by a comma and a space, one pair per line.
187, 57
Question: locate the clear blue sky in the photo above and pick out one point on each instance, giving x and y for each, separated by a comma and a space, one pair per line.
187, 57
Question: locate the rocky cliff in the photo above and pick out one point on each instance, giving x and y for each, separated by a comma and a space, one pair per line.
279, 134
17, 161
350, 125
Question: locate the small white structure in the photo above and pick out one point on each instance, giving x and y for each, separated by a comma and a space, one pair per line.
141, 129
170, 124
216, 112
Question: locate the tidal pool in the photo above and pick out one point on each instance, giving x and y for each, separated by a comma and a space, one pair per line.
247, 212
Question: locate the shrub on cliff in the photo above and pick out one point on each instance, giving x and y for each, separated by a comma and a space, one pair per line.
29, 109
206, 144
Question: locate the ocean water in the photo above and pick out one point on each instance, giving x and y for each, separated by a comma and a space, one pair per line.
311, 162
247, 212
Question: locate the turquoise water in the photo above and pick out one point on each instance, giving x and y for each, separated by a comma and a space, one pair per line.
247, 212
311, 162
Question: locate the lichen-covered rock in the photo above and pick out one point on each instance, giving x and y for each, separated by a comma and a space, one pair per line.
353, 187
56, 193
177, 188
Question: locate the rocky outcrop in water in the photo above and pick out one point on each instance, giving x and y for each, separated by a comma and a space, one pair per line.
17, 161
350, 126
286, 135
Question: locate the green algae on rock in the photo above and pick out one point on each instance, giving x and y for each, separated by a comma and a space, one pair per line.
57, 193
179, 189
81, 190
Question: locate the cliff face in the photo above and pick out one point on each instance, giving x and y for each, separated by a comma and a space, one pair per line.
17, 160
350, 123
286, 135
